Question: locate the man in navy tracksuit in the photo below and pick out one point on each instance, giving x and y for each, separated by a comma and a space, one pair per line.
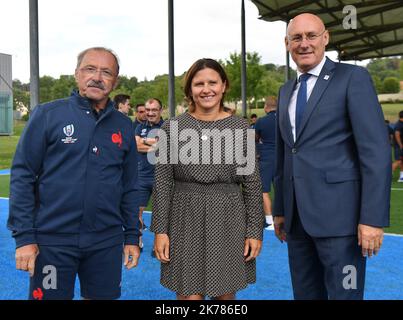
265, 130
145, 138
72, 184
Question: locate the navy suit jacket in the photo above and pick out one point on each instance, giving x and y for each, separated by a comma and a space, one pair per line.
339, 167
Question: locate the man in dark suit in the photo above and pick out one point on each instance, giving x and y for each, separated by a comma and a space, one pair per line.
333, 169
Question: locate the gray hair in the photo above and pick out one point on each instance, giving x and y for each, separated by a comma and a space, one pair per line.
81, 55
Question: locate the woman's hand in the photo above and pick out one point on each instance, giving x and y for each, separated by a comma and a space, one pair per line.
252, 248
161, 247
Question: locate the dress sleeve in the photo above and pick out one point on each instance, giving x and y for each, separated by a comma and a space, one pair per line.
252, 187
163, 186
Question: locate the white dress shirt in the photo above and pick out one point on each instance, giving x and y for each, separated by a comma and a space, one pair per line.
310, 84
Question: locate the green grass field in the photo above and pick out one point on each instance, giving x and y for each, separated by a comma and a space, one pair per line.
8, 145
391, 111
4, 186
396, 206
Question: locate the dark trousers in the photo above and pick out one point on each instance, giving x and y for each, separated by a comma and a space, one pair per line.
324, 268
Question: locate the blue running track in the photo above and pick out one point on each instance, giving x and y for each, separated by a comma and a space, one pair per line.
384, 272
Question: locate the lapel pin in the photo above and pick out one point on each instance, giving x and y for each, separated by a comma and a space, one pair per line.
326, 77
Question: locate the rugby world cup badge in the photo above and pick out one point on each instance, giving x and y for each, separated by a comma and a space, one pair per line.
69, 132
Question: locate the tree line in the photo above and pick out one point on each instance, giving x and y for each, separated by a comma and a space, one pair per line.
262, 80
386, 74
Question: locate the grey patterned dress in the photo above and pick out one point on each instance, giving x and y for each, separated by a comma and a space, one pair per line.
208, 211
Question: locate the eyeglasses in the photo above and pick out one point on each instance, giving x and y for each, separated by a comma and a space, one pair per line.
152, 110
309, 37
105, 73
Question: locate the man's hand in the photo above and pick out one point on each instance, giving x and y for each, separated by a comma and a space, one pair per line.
252, 248
370, 239
25, 258
161, 247
279, 228
132, 255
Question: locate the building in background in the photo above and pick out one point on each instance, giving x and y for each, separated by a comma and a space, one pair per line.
6, 95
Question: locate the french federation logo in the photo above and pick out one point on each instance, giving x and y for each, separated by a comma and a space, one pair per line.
117, 138
37, 294
69, 131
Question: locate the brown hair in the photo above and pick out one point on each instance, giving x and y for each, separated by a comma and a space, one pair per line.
120, 98
195, 68
271, 102
151, 100
81, 55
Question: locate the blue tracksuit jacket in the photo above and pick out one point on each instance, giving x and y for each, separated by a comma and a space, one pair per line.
73, 177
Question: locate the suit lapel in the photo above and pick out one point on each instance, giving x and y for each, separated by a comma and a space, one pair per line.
324, 78
285, 123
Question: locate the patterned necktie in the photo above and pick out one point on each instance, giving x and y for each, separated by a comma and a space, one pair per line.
301, 100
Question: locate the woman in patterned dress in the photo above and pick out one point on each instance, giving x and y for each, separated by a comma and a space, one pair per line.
207, 214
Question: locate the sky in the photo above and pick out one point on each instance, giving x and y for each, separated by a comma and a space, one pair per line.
137, 31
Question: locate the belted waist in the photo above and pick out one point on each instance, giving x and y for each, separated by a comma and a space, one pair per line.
194, 187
